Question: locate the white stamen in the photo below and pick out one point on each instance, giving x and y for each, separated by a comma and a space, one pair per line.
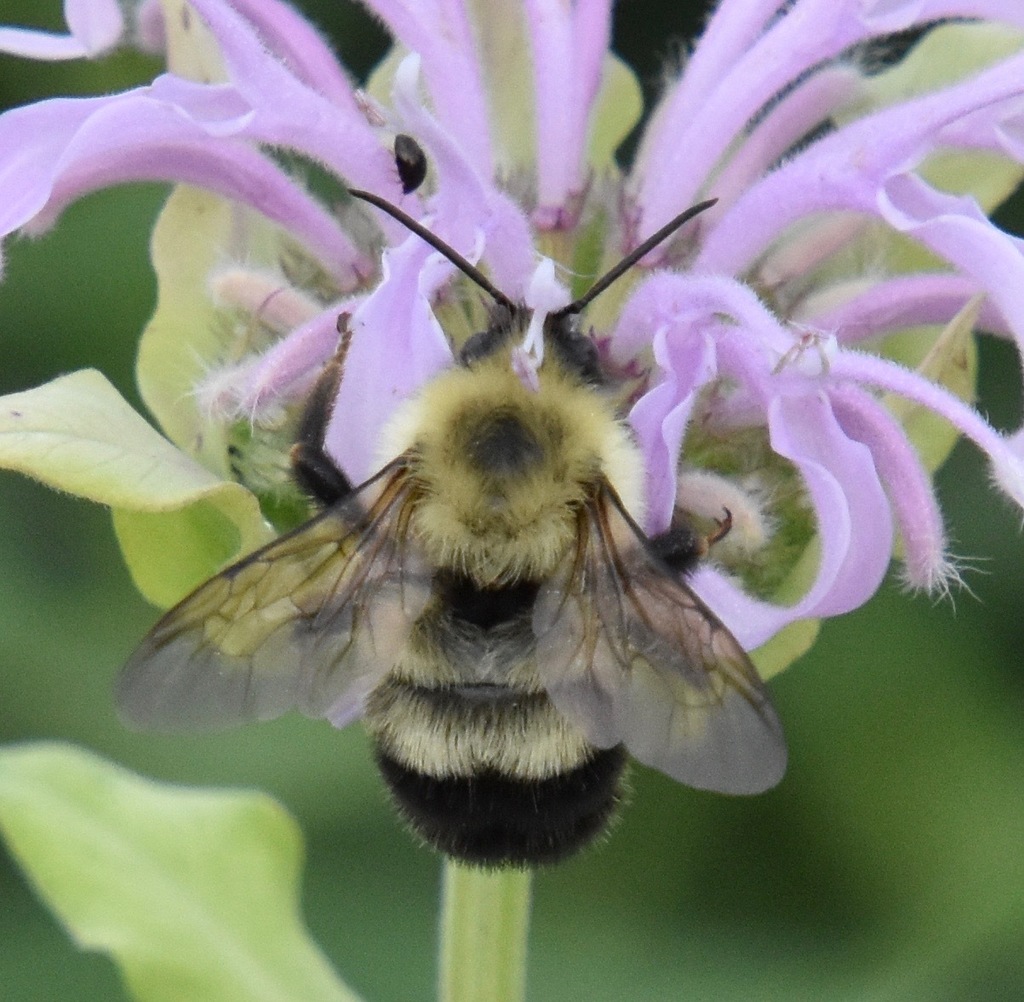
544, 295
525, 366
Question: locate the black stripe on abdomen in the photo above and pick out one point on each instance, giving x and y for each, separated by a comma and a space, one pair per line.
490, 819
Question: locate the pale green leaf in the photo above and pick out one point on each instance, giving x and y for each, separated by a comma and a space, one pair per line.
795, 640
189, 333
193, 893
192, 50
78, 434
184, 332
617, 109
507, 63
177, 521
790, 643
947, 54
170, 553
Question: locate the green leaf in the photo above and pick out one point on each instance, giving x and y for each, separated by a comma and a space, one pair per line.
192, 50
790, 643
185, 334
194, 893
171, 553
617, 109
506, 61
178, 522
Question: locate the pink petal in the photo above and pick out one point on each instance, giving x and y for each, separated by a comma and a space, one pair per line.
150, 31
291, 38
568, 43
750, 620
686, 140
733, 27
468, 205
57, 151
846, 169
440, 32
286, 371
668, 298
686, 360
854, 525
397, 345
793, 117
854, 520
907, 483
94, 27
957, 230
869, 370
286, 112
875, 308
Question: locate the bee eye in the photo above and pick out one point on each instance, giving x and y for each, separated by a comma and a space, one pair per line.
479, 346
576, 352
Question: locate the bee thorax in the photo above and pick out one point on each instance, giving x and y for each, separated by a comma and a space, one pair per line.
503, 446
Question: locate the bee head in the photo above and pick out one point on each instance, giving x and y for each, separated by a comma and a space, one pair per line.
574, 351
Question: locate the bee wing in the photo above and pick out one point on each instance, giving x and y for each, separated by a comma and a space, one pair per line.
311, 621
630, 654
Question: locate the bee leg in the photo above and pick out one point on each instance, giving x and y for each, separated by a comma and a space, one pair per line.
314, 470
317, 475
681, 548
724, 527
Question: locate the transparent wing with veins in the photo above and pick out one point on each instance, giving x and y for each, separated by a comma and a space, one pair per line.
630, 654
312, 621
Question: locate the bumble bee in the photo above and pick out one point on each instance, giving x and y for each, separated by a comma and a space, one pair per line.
486, 603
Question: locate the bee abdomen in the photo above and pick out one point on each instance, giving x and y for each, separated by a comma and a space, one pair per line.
492, 819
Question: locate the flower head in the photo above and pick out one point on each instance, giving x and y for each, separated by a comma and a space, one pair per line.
796, 355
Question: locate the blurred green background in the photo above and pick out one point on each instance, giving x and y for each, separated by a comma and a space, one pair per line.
888, 865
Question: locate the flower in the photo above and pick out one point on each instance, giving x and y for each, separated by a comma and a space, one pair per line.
785, 356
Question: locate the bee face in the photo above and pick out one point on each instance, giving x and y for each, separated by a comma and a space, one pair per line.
488, 604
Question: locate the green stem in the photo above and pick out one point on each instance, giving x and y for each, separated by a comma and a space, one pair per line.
485, 917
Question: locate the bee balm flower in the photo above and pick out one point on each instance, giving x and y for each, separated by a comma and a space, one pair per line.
781, 358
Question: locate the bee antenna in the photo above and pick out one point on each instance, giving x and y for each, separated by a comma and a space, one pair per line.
469, 270
631, 259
